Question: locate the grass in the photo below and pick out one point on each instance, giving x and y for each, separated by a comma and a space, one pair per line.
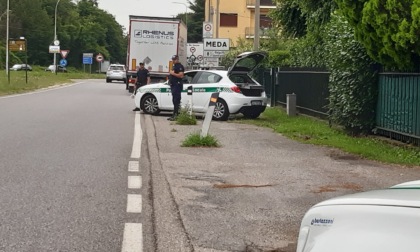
184, 118
38, 78
314, 131
195, 140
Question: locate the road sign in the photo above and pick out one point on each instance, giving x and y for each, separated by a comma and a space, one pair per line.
211, 62
207, 30
87, 60
64, 53
54, 49
200, 57
63, 62
17, 45
87, 55
99, 57
192, 49
217, 44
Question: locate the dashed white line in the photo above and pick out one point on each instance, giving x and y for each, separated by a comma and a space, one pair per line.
133, 238
133, 166
134, 182
138, 135
134, 203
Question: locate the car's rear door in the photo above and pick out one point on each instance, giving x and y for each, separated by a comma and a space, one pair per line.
204, 85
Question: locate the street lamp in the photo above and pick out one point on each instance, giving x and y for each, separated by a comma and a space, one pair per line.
56, 42
186, 9
7, 41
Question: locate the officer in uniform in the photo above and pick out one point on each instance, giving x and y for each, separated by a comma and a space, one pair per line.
175, 81
142, 78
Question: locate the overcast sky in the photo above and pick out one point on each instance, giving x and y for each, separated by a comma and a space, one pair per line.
121, 9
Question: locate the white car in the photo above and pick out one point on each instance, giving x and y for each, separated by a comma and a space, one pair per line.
382, 220
238, 92
116, 72
21, 67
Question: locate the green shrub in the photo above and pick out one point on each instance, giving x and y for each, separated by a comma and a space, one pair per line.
353, 79
184, 117
195, 140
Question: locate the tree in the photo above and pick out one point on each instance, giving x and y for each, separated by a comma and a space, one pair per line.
296, 17
194, 21
387, 29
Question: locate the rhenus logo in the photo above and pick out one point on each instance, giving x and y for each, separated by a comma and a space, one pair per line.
154, 34
318, 222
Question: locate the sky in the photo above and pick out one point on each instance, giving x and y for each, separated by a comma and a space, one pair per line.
121, 9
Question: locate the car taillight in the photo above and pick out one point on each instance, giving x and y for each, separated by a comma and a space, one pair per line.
236, 89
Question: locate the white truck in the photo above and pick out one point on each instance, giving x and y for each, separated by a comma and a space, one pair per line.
153, 41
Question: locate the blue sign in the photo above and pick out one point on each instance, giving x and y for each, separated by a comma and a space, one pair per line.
87, 60
63, 62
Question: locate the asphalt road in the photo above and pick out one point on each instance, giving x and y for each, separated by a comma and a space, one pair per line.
63, 172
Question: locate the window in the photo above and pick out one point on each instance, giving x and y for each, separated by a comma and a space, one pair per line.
207, 77
265, 21
228, 20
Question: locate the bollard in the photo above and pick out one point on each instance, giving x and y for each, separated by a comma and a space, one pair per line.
291, 104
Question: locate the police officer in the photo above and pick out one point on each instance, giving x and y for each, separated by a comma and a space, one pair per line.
142, 78
175, 81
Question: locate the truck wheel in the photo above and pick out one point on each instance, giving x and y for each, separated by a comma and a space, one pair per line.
221, 111
149, 105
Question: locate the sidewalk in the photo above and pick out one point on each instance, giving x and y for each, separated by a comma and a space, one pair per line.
251, 193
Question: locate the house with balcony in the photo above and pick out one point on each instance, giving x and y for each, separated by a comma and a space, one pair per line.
235, 19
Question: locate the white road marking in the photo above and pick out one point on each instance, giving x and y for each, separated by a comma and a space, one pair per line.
134, 203
133, 238
138, 135
133, 166
134, 182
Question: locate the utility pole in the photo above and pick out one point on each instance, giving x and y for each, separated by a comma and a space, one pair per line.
7, 39
257, 26
217, 18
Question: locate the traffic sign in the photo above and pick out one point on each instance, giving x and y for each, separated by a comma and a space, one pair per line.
54, 49
200, 57
64, 53
87, 61
192, 49
17, 45
217, 44
207, 30
63, 62
99, 57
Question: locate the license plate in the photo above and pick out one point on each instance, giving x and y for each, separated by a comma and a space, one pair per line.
256, 103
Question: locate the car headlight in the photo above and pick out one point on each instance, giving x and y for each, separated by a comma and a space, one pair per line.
303, 237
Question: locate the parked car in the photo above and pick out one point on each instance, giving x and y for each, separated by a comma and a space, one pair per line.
60, 68
238, 91
21, 67
385, 220
116, 72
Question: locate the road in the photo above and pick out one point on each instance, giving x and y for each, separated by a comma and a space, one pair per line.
64, 155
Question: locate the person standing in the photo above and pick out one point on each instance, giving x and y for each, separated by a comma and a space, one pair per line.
142, 78
175, 81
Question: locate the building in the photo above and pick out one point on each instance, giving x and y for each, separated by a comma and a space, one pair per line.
235, 19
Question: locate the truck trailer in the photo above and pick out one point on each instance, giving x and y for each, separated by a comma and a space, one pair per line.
153, 41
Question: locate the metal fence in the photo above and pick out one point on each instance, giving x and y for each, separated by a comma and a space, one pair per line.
309, 84
398, 109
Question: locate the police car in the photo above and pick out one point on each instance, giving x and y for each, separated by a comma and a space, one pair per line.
382, 220
238, 91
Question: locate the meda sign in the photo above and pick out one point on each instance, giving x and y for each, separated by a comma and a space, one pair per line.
216, 44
